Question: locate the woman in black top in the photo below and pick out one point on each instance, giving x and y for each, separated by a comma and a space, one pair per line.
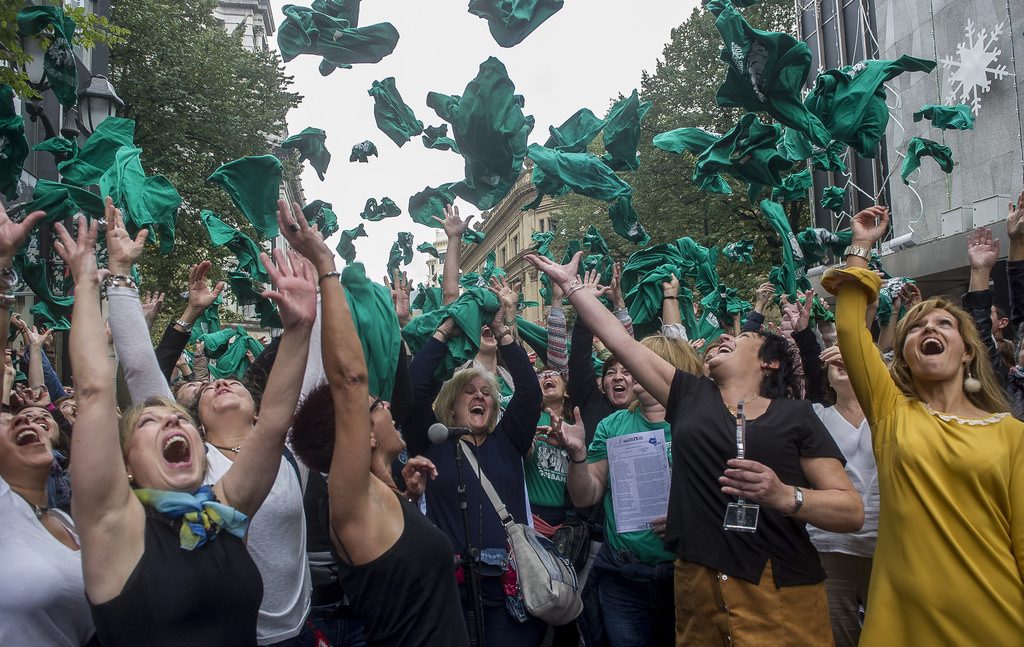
788, 449
395, 566
173, 570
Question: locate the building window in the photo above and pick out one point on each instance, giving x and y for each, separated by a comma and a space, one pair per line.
542, 225
515, 244
553, 224
504, 255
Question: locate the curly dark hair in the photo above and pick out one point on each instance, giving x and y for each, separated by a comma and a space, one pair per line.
781, 382
312, 434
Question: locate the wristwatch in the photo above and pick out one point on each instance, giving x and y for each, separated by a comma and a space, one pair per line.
184, 325
798, 498
854, 250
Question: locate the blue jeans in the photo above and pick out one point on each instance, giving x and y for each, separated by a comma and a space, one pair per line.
636, 612
338, 631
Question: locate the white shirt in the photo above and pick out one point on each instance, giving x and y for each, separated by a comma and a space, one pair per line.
855, 443
42, 595
277, 543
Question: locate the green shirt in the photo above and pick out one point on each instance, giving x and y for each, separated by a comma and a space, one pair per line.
547, 470
647, 546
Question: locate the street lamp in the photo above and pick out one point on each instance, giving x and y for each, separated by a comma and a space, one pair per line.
97, 102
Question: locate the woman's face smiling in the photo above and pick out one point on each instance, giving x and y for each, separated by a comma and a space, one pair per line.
933, 349
165, 451
474, 405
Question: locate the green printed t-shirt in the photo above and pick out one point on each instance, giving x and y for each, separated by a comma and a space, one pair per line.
547, 471
647, 546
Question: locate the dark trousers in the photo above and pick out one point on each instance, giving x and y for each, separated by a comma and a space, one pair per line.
635, 611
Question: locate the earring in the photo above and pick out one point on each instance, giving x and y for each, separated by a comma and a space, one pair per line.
971, 384
131, 478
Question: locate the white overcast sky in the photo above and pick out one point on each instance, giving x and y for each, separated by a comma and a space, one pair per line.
582, 56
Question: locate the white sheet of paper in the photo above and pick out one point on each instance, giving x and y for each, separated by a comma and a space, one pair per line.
640, 479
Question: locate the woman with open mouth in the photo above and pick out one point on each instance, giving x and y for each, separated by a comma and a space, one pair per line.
163, 557
950, 555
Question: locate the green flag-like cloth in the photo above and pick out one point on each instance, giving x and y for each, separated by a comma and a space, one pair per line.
232, 361
437, 137
725, 303
394, 118
510, 21
699, 263
584, 173
347, 10
58, 146
739, 252
543, 240
694, 141
576, 133
249, 293
833, 198
491, 131
431, 202
345, 247
536, 337
797, 147
13, 145
312, 145
374, 317
748, 152
146, 202
958, 117
428, 299
920, 147
816, 242
305, 30
36, 276
244, 249
473, 236
791, 275
767, 71
647, 270
490, 269
62, 201
851, 101
59, 64
622, 132
361, 152
98, 153
887, 295
322, 215
427, 248
45, 315
594, 241
474, 308
401, 252
376, 212
254, 184
794, 187
626, 223
208, 321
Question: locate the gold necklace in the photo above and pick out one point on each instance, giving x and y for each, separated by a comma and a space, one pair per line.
733, 411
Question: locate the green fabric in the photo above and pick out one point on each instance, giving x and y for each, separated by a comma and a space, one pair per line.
748, 152
647, 269
543, 240
819, 313
797, 147
740, 251
305, 30
60, 67
37, 277
576, 133
13, 145
815, 244
431, 202
789, 277
626, 223
694, 141
347, 10
361, 152
345, 247
622, 132
401, 252
474, 308
833, 198
322, 215
594, 241
428, 299
437, 137
373, 314
208, 321
394, 118
491, 130
254, 184
312, 145
648, 547
725, 303
62, 201
794, 187
851, 101
584, 173
98, 153
490, 269
700, 263
510, 21
229, 355
535, 336
43, 314
376, 212
958, 117
59, 146
248, 293
891, 288
920, 147
767, 72
473, 237
427, 248
245, 250
146, 202
546, 471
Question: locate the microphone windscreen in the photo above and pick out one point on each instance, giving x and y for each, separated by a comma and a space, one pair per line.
437, 433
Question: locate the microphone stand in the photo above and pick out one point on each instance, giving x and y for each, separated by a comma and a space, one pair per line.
470, 560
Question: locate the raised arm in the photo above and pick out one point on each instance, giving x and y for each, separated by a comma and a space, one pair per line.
586, 481
454, 226
983, 252
1015, 263
647, 368
558, 355
670, 314
523, 410
614, 292
35, 342
200, 297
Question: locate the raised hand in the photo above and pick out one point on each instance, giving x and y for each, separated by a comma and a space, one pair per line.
401, 291
79, 253
34, 338
569, 436
508, 295
13, 234
304, 239
122, 249
615, 289
151, 306
911, 295
1015, 221
798, 315
831, 355
763, 296
200, 296
982, 249
870, 225
416, 473
453, 225
294, 288
592, 280
670, 288
559, 274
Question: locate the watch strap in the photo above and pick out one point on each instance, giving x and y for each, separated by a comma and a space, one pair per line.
855, 250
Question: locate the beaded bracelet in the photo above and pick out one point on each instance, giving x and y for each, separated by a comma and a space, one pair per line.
119, 281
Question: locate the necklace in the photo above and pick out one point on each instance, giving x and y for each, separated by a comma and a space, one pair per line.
39, 510
732, 410
233, 450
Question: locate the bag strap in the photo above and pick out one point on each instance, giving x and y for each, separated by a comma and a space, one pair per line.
499, 507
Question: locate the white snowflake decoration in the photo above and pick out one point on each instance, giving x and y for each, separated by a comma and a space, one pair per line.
972, 74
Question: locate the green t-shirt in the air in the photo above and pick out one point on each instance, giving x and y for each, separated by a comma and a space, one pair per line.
546, 471
647, 546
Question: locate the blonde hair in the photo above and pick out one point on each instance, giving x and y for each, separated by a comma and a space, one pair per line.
991, 397
444, 404
676, 352
126, 425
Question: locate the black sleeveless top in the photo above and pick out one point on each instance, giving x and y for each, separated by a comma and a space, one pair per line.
408, 596
207, 596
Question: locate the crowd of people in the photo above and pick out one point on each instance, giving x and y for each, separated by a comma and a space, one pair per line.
153, 504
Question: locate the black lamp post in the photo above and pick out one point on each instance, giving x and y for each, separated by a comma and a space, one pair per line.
96, 102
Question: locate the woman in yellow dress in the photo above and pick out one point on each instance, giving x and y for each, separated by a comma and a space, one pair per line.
949, 567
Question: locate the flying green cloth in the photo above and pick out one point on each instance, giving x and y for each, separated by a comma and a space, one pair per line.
208, 321
45, 315
427, 248
749, 152
232, 361
361, 152
622, 132
819, 312
428, 299
626, 223
472, 280
584, 173
248, 293
790, 276
797, 147
401, 252
575, 135
473, 237
645, 298
308, 31
37, 277
571, 248
510, 21
920, 147
594, 241
833, 198
699, 263
725, 303
536, 337
62, 201
694, 141
59, 63
491, 130
490, 269
245, 250
474, 308
347, 10
345, 247
374, 317
739, 252
767, 72
437, 137
13, 145
543, 240
312, 145
794, 187
431, 202
98, 153
816, 243
216, 342
376, 212
254, 184
59, 146
887, 295
146, 202
851, 101
394, 118
958, 117
322, 215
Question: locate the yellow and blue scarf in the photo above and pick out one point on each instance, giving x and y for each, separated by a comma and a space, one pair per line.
202, 517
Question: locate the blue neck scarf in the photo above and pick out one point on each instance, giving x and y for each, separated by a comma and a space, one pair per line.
202, 517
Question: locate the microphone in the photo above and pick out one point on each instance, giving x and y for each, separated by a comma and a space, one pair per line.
438, 433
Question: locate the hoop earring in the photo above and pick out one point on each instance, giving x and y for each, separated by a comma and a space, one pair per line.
971, 383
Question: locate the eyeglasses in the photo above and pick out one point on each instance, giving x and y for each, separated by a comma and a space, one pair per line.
544, 374
376, 403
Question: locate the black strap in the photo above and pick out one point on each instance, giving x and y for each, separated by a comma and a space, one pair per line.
290, 457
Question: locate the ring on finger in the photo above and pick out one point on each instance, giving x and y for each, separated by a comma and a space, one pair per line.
294, 227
